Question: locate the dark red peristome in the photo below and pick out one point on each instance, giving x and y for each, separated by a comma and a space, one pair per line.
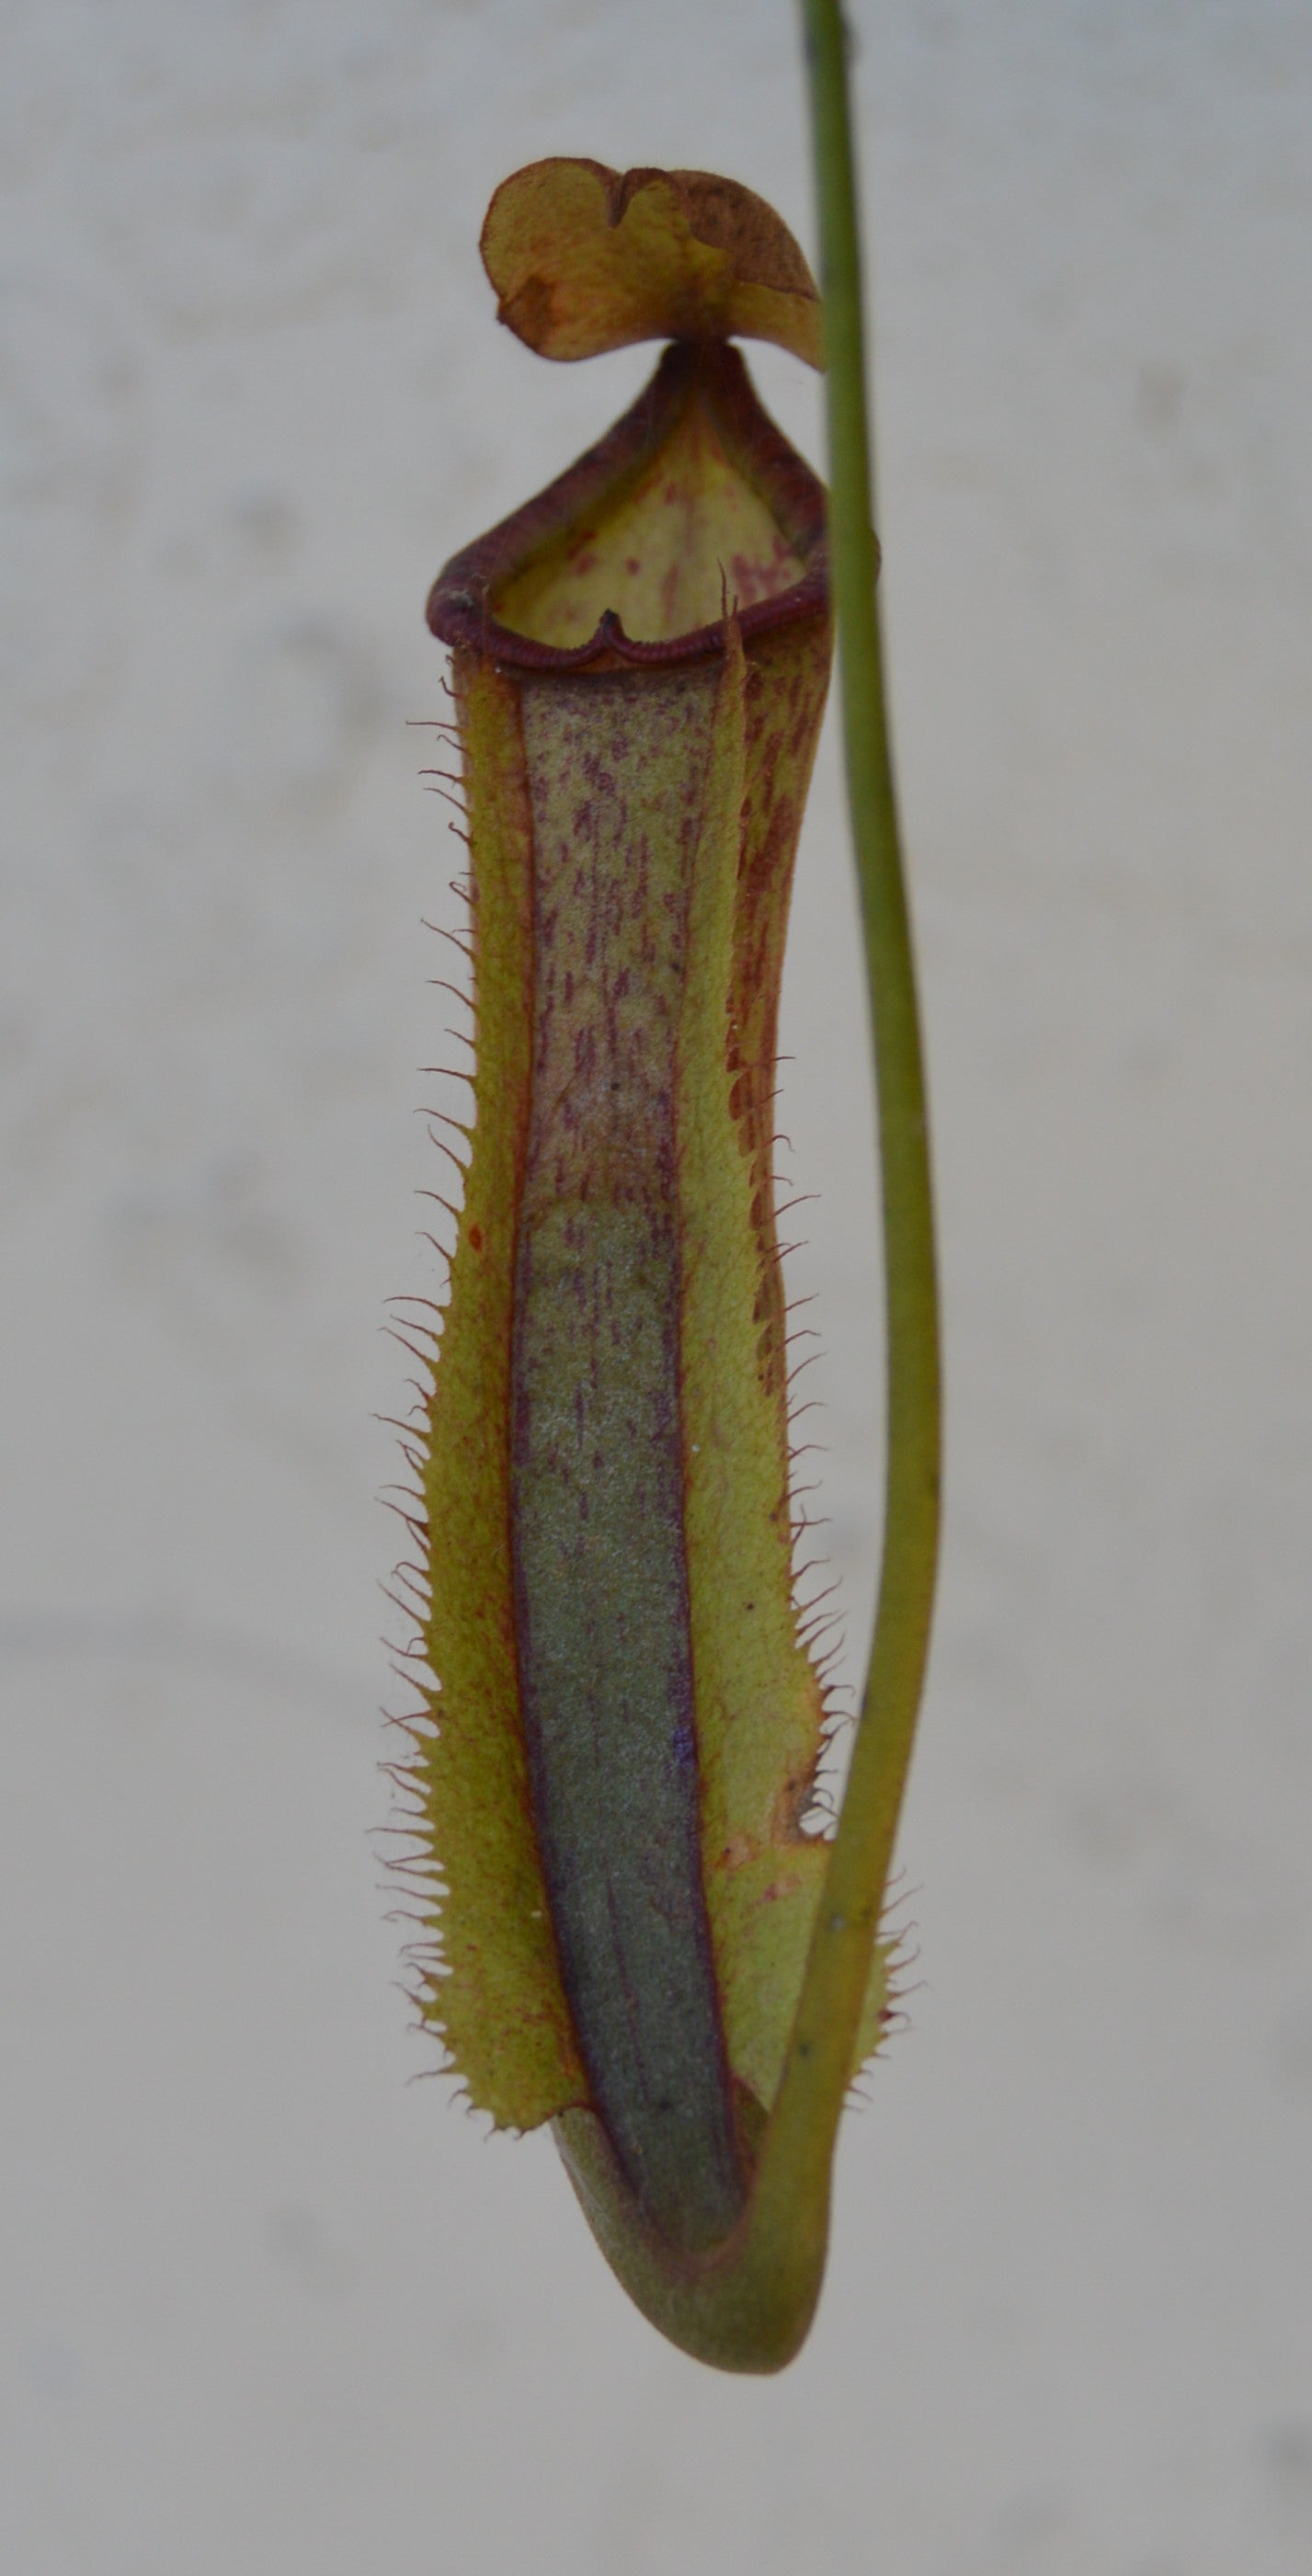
459, 610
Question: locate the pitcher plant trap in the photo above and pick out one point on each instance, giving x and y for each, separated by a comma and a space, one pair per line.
627, 1928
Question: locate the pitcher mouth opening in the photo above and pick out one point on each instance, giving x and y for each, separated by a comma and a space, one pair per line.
693, 500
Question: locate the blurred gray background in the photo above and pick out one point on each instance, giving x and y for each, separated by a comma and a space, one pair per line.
268, 2304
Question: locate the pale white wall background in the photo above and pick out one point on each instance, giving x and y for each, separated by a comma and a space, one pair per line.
267, 2305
